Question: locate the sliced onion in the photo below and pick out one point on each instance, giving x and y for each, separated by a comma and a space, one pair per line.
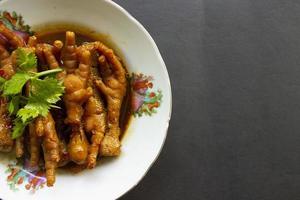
23, 35
3, 40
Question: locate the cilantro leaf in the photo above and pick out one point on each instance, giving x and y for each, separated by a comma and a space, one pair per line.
2, 81
33, 109
49, 90
18, 128
43, 94
26, 60
14, 85
13, 105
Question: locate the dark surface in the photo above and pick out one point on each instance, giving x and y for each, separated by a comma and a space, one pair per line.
235, 72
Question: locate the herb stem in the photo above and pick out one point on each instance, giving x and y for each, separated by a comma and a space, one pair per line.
44, 73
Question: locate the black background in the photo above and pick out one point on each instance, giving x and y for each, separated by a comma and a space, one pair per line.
235, 72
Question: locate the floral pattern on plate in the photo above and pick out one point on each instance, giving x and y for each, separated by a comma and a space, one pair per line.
33, 177
145, 100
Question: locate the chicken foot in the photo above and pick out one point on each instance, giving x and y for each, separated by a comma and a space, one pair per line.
113, 86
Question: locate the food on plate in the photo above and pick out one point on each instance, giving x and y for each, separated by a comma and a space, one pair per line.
61, 100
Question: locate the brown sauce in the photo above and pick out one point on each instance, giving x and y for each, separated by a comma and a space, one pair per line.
50, 33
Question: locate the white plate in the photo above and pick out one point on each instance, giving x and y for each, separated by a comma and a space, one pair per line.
146, 135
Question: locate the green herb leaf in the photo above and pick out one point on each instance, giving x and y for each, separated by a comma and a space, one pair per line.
2, 81
13, 105
18, 128
33, 109
26, 60
15, 84
49, 90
